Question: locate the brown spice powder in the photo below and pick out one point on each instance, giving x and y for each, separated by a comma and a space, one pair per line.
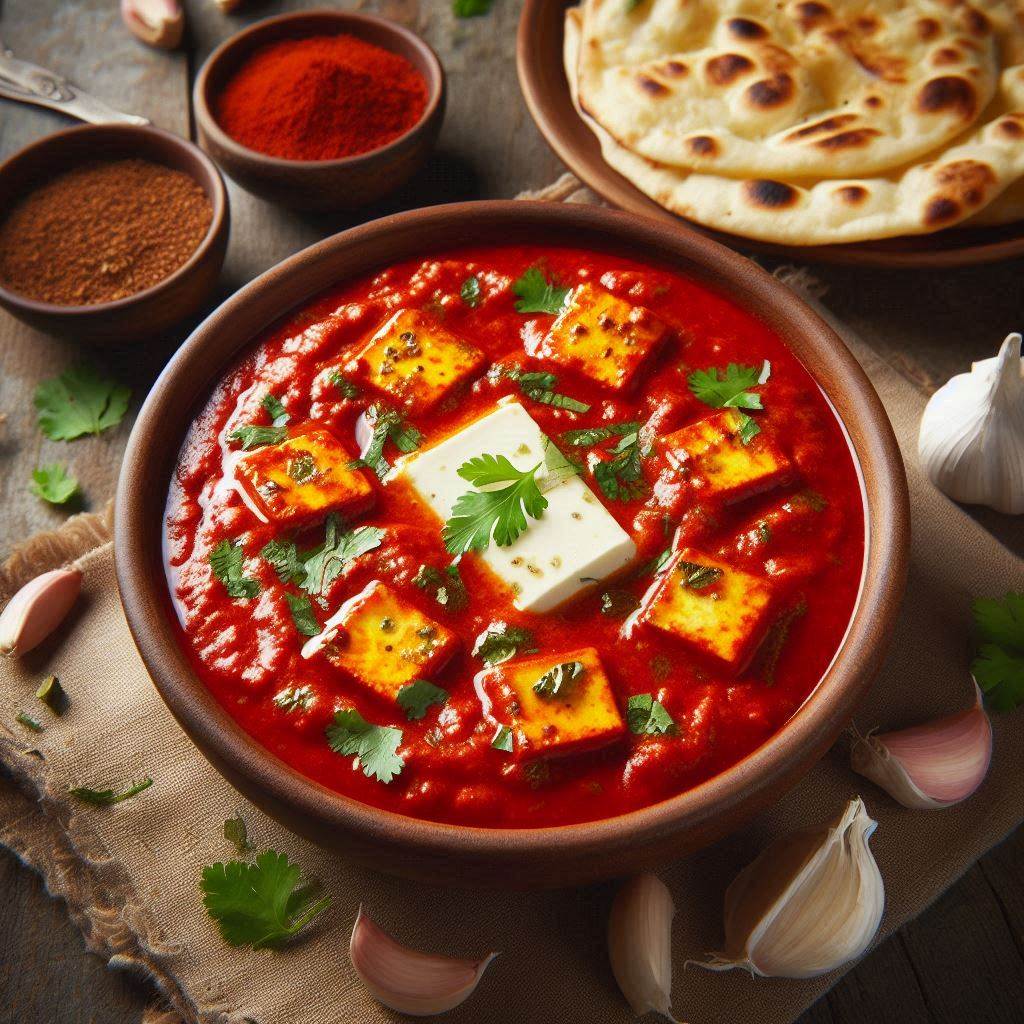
102, 231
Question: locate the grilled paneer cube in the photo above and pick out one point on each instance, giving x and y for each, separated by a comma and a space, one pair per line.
553, 705
415, 360
383, 641
603, 337
304, 478
717, 610
714, 458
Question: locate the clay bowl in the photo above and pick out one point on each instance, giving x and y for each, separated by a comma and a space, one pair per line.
320, 184
149, 312
520, 858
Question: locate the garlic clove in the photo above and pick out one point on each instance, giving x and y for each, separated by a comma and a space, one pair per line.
971, 442
811, 902
38, 609
640, 944
419, 984
363, 433
933, 765
157, 23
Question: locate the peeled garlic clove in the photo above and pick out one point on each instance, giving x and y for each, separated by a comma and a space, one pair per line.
933, 765
811, 902
419, 984
156, 22
971, 442
364, 434
38, 609
640, 944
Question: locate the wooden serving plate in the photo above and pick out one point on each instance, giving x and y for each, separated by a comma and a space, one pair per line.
546, 91
507, 858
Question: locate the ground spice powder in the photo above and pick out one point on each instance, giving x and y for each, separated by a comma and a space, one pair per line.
102, 231
321, 98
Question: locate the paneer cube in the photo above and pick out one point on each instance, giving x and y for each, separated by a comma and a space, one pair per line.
582, 714
303, 478
717, 610
713, 456
603, 337
415, 360
383, 641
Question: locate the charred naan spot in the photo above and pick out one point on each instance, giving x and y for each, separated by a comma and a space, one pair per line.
940, 211
829, 124
874, 102
773, 195
927, 28
1011, 127
675, 68
975, 22
744, 28
811, 13
967, 44
852, 195
770, 92
965, 181
948, 93
947, 55
880, 64
774, 59
727, 68
856, 138
702, 145
652, 86
866, 25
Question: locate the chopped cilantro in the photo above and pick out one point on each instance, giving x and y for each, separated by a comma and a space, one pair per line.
590, 436
620, 477
52, 483
349, 389
302, 468
52, 694
656, 565
226, 561
999, 665
256, 436
386, 424
645, 716
730, 387
559, 679
302, 614
236, 832
500, 641
618, 604
79, 402
376, 746
540, 387
415, 697
537, 294
748, 428
29, 722
106, 797
447, 588
697, 576
284, 557
471, 8
275, 407
260, 904
324, 563
294, 698
502, 739
470, 291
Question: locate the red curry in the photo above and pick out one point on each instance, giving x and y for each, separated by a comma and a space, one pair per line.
735, 499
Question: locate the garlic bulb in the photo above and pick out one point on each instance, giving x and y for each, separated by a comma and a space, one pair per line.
933, 765
972, 433
156, 22
640, 944
419, 984
38, 609
811, 902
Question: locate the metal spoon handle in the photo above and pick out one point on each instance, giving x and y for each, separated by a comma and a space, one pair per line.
29, 83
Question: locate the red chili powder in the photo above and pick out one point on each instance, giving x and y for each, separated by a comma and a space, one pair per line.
321, 98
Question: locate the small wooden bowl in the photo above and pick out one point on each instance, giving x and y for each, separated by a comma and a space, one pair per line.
321, 184
526, 857
149, 312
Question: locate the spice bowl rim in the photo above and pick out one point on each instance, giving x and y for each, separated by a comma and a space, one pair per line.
435, 81
466, 855
217, 195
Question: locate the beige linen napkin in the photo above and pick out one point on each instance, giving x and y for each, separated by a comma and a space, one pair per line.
130, 872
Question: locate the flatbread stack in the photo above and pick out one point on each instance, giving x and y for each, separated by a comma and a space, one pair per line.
808, 122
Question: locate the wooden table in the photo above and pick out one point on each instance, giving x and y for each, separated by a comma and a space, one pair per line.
962, 962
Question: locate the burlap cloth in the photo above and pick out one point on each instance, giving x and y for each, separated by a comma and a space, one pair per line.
130, 873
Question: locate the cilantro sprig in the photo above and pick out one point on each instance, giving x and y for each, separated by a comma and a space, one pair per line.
386, 424
999, 665
414, 698
537, 294
54, 484
730, 389
226, 562
106, 797
276, 409
79, 402
620, 477
376, 746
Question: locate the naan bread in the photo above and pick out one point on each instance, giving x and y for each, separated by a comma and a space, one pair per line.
797, 88
954, 185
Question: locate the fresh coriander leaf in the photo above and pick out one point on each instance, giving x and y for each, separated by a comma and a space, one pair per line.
324, 563
471, 8
226, 560
470, 291
764, 532
415, 697
447, 588
256, 436
499, 642
538, 379
618, 604
53, 484
349, 389
276, 408
284, 558
657, 564
236, 832
556, 466
261, 904
302, 468
729, 387
502, 739
376, 746
294, 698
302, 614
558, 680
620, 477
52, 694
591, 436
645, 716
697, 577
999, 665
79, 402
386, 424
106, 797
546, 396
748, 428
537, 294
477, 515
29, 722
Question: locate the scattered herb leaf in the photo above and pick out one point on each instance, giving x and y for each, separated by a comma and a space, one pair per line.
302, 468
236, 832
79, 402
376, 746
748, 428
621, 477
558, 679
656, 565
499, 642
52, 483
470, 291
537, 294
302, 614
502, 739
646, 716
415, 697
697, 576
276, 408
226, 561
999, 665
729, 387
447, 588
471, 8
324, 563
29, 722
106, 797
349, 389
284, 558
540, 387
255, 436
618, 604
52, 694
387, 423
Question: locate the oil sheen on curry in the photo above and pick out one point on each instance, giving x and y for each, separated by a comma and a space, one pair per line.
516, 536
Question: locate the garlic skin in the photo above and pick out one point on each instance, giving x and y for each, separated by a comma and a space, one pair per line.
811, 902
37, 610
419, 984
971, 442
640, 944
158, 23
929, 766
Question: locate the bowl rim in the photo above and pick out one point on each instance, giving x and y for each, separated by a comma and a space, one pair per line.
779, 761
218, 197
206, 118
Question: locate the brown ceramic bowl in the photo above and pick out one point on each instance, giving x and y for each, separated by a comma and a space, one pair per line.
519, 858
320, 184
149, 312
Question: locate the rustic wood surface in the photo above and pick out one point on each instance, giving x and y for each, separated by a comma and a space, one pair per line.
961, 962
